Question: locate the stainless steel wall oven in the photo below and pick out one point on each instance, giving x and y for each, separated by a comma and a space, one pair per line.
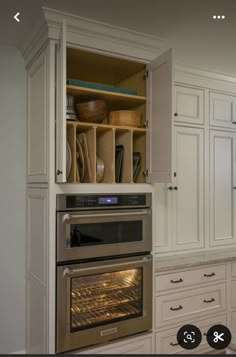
104, 268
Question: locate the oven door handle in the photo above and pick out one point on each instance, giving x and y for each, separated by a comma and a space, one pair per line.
68, 217
71, 272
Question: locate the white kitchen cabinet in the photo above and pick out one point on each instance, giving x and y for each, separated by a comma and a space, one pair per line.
152, 82
189, 105
179, 207
222, 110
222, 184
188, 189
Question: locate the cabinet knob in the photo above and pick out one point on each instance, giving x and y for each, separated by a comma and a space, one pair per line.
234, 188
176, 114
59, 172
170, 188
175, 188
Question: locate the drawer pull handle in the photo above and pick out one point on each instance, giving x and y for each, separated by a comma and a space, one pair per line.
174, 344
209, 275
177, 281
208, 301
176, 308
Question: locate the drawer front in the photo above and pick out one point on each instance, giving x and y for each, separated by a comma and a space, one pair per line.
234, 269
233, 294
188, 304
191, 277
166, 341
136, 345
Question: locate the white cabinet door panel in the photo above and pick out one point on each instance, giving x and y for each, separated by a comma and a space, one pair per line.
222, 110
61, 108
189, 105
162, 218
222, 194
159, 114
188, 190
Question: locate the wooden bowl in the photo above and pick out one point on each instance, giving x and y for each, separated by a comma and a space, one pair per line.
125, 118
94, 111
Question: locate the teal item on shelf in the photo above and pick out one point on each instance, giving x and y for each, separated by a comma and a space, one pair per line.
73, 82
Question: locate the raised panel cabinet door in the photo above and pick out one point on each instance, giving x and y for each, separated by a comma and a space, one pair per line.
162, 218
61, 107
37, 120
159, 115
222, 192
188, 189
222, 110
189, 105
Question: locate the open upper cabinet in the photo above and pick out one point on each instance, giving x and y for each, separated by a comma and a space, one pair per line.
84, 71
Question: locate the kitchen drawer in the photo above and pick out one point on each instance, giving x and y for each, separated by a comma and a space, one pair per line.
137, 345
233, 294
187, 278
234, 269
166, 341
186, 305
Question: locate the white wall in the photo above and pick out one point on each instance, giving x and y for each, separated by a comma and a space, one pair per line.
12, 200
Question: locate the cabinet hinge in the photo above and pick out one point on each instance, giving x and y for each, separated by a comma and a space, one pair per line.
146, 124
145, 173
146, 74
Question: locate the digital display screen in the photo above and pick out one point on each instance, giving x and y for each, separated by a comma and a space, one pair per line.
107, 200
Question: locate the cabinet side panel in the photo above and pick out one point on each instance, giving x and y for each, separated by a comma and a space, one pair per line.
37, 121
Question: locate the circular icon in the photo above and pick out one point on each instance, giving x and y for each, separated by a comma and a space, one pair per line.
218, 337
189, 337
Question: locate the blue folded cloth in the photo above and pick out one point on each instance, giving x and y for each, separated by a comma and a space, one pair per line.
74, 82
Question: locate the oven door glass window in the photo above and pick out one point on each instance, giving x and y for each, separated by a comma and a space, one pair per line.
105, 233
104, 298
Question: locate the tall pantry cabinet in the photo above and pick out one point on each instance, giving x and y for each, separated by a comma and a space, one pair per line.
69, 47
197, 209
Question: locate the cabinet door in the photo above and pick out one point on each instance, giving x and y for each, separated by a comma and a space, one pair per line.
222, 183
162, 218
222, 110
61, 107
159, 114
188, 189
189, 105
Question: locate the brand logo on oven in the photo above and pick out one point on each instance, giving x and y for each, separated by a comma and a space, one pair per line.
109, 331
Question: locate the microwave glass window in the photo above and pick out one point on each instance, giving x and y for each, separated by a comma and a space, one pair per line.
105, 233
105, 298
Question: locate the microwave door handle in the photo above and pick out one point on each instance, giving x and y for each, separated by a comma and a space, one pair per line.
68, 217
71, 272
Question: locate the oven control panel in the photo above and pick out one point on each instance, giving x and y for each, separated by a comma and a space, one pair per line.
84, 201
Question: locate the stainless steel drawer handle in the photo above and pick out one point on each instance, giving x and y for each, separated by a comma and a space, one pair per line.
176, 308
174, 344
209, 275
208, 301
68, 217
176, 281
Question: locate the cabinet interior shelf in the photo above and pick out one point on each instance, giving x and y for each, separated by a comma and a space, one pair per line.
117, 100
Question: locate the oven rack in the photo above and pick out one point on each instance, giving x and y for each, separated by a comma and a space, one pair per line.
103, 316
